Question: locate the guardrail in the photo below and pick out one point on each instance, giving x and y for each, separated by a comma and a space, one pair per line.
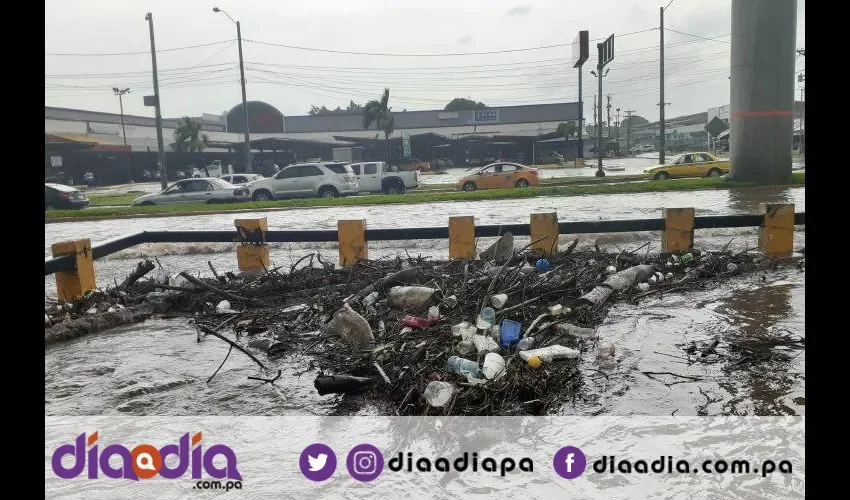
72, 261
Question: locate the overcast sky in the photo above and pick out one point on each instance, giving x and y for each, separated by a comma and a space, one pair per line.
205, 79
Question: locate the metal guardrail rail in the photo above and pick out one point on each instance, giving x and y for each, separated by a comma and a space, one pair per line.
66, 262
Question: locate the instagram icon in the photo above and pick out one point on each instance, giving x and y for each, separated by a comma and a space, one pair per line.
364, 462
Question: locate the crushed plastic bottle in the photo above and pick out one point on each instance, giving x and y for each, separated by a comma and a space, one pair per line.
463, 366
576, 331
434, 313
416, 322
484, 343
550, 353
223, 307
464, 330
438, 393
486, 318
686, 258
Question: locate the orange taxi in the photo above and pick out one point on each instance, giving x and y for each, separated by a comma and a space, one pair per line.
499, 175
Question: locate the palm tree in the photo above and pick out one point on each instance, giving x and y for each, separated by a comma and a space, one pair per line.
566, 130
188, 137
380, 113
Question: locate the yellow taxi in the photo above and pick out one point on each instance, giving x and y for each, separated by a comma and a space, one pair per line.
499, 175
696, 164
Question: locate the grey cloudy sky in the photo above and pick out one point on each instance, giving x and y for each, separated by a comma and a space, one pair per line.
206, 79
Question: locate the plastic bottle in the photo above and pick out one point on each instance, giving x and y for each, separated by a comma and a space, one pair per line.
687, 258
576, 331
416, 322
460, 329
483, 343
525, 344
434, 313
438, 393
494, 365
610, 270
550, 353
463, 366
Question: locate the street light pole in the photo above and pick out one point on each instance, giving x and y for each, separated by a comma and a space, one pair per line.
158, 108
120, 93
249, 167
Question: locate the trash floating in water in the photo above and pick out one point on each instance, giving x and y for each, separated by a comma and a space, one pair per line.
543, 265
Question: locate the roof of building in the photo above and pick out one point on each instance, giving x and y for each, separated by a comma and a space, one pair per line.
71, 114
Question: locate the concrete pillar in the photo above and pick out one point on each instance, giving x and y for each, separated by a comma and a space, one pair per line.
762, 89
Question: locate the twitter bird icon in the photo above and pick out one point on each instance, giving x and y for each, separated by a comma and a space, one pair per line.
317, 462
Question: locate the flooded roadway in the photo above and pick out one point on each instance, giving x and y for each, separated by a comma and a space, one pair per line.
157, 368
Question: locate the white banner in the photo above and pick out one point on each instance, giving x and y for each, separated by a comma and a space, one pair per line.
424, 457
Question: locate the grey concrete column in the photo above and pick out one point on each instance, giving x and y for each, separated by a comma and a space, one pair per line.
762, 89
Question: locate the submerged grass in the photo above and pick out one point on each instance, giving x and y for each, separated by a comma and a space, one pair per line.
99, 211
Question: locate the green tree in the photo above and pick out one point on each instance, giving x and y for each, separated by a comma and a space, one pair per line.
462, 103
566, 129
380, 113
189, 137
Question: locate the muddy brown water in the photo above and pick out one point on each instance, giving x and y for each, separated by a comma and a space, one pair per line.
158, 368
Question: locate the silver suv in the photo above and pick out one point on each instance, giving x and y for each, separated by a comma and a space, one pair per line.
326, 180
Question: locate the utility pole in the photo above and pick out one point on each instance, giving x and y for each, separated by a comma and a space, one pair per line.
596, 138
617, 124
580, 120
608, 109
249, 166
629, 113
120, 93
159, 143
662, 103
599, 146
802, 147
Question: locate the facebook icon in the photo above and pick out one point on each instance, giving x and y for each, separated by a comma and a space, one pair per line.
569, 462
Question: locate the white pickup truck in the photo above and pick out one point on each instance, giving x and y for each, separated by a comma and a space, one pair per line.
376, 176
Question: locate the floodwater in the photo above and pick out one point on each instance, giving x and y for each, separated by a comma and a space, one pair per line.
158, 367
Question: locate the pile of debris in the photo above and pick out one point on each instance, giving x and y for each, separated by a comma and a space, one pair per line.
504, 336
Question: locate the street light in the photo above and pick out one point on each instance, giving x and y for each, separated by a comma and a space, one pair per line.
248, 164
599, 77
120, 93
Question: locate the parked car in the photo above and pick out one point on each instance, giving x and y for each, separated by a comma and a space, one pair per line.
151, 174
62, 196
241, 178
57, 178
499, 176
88, 178
205, 189
326, 180
376, 176
697, 164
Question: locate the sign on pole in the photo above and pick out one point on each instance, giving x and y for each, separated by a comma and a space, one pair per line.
405, 143
606, 51
150, 100
55, 161
581, 49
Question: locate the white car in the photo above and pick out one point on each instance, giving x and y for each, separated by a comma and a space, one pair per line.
241, 178
203, 190
375, 176
326, 180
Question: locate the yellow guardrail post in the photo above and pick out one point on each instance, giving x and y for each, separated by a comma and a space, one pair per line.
352, 241
776, 236
462, 237
678, 235
252, 252
73, 284
545, 226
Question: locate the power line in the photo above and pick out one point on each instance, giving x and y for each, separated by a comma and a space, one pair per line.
697, 36
668, 4
388, 54
100, 54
